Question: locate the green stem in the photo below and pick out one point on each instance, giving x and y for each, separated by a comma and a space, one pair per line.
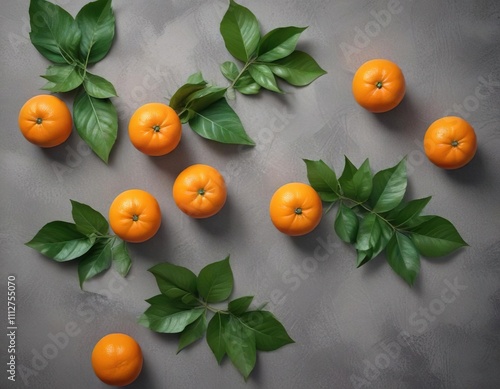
250, 62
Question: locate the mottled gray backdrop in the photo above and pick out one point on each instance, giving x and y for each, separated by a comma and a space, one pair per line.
353, 327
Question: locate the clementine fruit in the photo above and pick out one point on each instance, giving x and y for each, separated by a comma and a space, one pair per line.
200, 191
295, 209
450, 142
378, 85
117, 359
155, 129
135, 216
45, 121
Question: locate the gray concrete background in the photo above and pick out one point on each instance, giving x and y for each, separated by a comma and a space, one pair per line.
352, 327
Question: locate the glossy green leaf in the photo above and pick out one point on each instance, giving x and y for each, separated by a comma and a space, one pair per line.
194, 84
240, 30
298, 69
121, 257
356, 183
368, 232
96, 121
363, 256
196, 78
246, 85
165, 319
240, 305
97, 24
346, 224
220, 123
230, 70
278, 43
263, 76
98, 87
268, 331
61, 241
403, 257
389, 187
239, 342
88, 220
436, 237
215, 281
215, 338
323, 179
193, 332
96, 260
405, 212
174, 281
204, 98
54, 32
62, 78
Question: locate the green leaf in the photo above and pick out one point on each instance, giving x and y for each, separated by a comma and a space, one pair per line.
61, 241
263, 76
215, 339
215, 281
356, 183
369, 232
240, 30
178, 100
204, 98
240, 347
436, 237
95, 261
121, 257
240, 305
389, 187
166, 319
323, 180
88, 220
346, 224
405, 212
269, 332
298, 69
54, 32
220, 123
97, 24
174, 281
193, 332
230, 70
98, 87
403, 257
246, 84
62, 78
363, 256
96, 121
278, 43
196, 78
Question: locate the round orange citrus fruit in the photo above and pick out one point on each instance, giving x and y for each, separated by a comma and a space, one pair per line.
135, 216
200, 191
45, 121
155, 129
450, 142
378, 85
295, 209
117, 359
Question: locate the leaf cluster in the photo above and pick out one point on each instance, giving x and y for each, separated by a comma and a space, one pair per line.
73, 44
264, 60
373, 216
87, 240
184, 304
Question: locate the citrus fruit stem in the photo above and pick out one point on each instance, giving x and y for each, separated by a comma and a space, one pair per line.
135, 218
379, 84
39, 121
298, 211
201, 191
454, 143
156, 128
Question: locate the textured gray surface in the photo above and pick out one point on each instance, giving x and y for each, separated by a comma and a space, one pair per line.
345, 321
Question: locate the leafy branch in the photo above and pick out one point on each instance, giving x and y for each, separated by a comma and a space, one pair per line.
373, 216
264, 59
86, 240
185, 301
73, 44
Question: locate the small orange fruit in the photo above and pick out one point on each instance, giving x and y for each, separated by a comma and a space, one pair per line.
378, 85
295, 209
200, 191
155, 129
135, 216
450, 142
117, 359
45, 121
